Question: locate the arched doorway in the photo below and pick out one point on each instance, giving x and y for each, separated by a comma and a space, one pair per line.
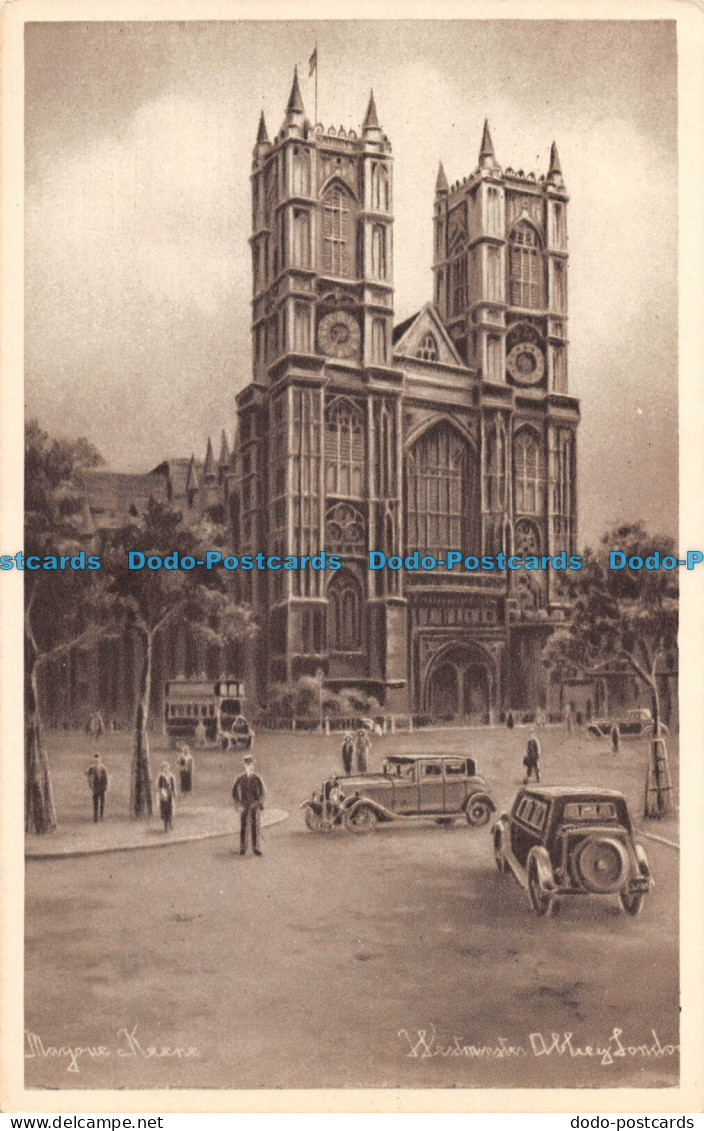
459, 685
443, 692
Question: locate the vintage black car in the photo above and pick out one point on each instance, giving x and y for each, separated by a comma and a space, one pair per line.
562, 840
410, 787
636, 723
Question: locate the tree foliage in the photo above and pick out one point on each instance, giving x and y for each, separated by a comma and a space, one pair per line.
61, 606
152, 601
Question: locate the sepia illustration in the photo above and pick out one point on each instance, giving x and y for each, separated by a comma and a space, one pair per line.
351, 685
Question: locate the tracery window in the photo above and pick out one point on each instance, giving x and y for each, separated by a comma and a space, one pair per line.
528, 474
344, 613
440, 492
379, 340
380, 188
379, 251
428, 348
301, 172
344, 530
337, 252
301, 237
344, 450
526, 265
496, 468
458, 283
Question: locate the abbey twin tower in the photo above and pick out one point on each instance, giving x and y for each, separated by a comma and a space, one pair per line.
454, 430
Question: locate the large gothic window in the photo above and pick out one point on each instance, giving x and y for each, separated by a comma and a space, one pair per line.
344, 613
344, 450
440, 492
337, 246
526, 267
528, 474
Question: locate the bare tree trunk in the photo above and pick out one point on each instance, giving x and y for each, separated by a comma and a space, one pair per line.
141, 778
39, 810
658, 787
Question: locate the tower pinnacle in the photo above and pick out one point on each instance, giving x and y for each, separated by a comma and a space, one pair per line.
487, 160
262, 135
371, 120
441, 184
554, 172
295, 102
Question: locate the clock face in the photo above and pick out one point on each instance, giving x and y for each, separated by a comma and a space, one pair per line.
526, 364
338, 334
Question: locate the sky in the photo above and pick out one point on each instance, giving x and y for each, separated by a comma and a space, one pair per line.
138, 142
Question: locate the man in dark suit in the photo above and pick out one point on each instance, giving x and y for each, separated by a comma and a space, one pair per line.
98, 782
248, 793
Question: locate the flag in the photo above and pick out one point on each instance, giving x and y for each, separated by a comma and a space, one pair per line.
313, 62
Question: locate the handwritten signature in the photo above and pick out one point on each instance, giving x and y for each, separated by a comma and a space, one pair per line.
424, 1043
128, 1045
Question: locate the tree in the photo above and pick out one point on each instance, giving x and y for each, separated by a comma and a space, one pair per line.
60, 605
152, 601
624, 617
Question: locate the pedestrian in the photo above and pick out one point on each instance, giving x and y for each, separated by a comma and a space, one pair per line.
347, 753
615, 738
95, 725
166, 792
98, 781
248, 793
532, 758
569, 719
362, 746
200, 733
185, 768
509, 720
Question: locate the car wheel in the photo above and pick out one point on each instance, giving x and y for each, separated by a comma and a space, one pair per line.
477, 813
312, 820
540, 900
363, 819
631, 902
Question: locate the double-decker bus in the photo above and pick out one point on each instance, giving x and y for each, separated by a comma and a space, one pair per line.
198, 710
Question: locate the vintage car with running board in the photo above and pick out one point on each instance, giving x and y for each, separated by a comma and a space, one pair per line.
410, 787
564, 840
636, 723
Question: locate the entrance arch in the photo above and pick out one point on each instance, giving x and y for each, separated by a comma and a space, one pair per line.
460, 684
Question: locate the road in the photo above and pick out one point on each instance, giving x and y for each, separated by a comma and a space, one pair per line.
401, 958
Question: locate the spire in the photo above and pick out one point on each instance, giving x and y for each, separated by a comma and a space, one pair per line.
371, 120
224, 451
209, 468
295, 102
441, 184
554, 172
486, 153
192, 483
262, 135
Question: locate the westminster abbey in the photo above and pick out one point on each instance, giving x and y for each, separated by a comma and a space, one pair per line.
454, 430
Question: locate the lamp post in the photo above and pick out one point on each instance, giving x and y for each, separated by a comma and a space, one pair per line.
320, 676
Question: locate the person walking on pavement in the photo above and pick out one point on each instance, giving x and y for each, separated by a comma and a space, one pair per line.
363, 746
347, 753
248, 793
98, 781
185, 768
166, 792
532, 758
615, 738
